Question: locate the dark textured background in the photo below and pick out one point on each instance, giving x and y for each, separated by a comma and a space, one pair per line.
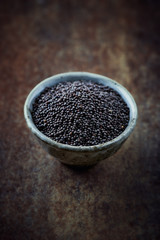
40, 198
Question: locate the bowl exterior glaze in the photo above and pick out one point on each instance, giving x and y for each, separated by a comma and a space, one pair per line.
80, 158
80, 155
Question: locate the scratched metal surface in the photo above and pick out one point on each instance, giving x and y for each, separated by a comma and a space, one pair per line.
39, 197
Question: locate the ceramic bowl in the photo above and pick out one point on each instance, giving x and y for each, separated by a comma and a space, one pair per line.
80, 155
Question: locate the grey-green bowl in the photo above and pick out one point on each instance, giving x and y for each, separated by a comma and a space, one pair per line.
80, 155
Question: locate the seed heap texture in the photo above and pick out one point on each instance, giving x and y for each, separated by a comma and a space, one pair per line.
80, 113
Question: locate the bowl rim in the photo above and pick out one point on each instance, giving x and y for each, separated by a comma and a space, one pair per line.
122, 137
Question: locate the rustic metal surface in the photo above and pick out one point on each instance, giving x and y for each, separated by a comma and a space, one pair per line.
40, 198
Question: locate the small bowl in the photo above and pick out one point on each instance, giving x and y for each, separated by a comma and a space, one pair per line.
80, 155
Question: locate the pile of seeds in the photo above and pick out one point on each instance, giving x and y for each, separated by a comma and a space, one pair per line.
80, 113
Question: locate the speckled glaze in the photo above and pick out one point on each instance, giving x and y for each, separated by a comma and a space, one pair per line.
80, 155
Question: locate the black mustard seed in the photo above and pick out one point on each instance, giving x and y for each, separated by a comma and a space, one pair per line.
80, 113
